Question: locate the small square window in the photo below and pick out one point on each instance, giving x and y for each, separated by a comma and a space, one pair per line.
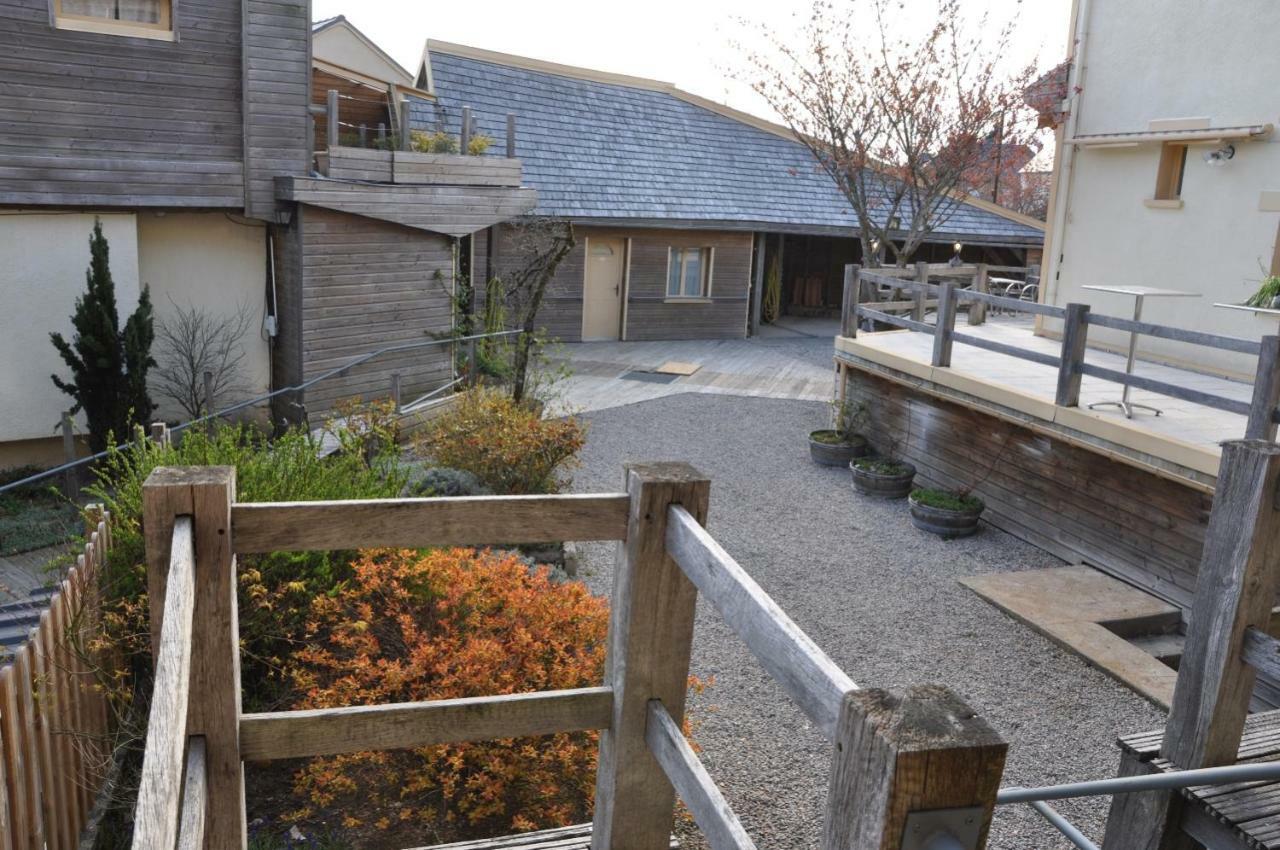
689, 273
1173, 164
144, 18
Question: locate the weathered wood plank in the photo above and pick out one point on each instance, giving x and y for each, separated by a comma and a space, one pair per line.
466, 520
156, 811
1266, 392
1075, 332
711, 811
195, 797
799, 665
945, 328
330, 731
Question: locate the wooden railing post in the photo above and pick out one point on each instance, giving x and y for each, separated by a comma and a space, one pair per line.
205, 494
650, 635
511, 135
406, 128
945, 328
331, 116
981, 283
160, 434
1075, 332
852, 297
898, 758
464, 137
395, 390
919, 293
1266, 392
70, 478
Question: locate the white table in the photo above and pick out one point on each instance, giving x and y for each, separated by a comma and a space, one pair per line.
1139, 293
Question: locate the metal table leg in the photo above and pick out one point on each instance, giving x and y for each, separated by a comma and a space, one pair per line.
1124, 404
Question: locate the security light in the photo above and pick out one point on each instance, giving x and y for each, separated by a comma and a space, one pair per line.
1220, 156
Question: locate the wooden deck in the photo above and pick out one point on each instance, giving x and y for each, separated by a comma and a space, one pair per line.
1185, 435
1245, 814
577, 837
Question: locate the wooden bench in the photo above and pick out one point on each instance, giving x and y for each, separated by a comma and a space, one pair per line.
1246, 813
577, 837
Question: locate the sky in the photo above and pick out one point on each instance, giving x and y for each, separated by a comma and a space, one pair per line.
695, 44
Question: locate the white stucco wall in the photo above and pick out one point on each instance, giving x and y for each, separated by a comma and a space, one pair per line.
216, 264
43, 259
1214, 60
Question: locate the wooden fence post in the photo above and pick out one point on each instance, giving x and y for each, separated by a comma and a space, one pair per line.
70, 478
160, 434
1234, 592
1075, 332
945, 328
650, 636
205, 494
331, 117
981, 283
464, 136
473, 364
852, 298
395, 390
208, 393
1266, 392
898, 756
918, 293
511, 135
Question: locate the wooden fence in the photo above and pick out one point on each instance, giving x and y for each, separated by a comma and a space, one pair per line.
1070, 362
976, 277
901, 763
54, 720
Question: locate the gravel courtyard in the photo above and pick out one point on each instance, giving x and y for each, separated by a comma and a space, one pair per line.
880, 597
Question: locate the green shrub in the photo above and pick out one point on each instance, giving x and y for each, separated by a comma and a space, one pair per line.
506, 445
947, 500
421, 141
442, 481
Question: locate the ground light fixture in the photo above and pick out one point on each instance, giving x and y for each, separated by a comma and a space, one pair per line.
1219, 156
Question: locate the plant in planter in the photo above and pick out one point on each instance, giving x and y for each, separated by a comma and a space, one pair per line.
882, 477
1268, 294
946, 513
838, 445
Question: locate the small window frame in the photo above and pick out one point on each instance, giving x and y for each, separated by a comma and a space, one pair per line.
1171, 171
162, 30
679, 254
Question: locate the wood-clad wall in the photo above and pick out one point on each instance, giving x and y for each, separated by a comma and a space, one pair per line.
367, 284
277, 76
94, 119
286, 347
649, 315
1081, 505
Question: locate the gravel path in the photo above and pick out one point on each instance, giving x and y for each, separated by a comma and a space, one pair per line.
880, 597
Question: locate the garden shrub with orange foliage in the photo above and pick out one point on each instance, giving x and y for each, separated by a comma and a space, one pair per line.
508, 446
412, 626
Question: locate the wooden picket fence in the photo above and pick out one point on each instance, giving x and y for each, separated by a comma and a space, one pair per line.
54, 722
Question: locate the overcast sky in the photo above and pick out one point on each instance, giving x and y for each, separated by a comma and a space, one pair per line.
690, 43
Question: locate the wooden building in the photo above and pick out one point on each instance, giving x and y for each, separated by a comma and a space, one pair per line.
680, 203
191, 133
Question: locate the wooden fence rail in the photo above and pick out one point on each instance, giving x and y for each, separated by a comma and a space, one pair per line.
667, 558
54, 721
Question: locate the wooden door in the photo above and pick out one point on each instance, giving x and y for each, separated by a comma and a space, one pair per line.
602, 293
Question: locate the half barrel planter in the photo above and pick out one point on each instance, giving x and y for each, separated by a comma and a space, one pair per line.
943, 522
881, 485
835, 454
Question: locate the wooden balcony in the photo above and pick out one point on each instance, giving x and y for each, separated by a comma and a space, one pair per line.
410, 167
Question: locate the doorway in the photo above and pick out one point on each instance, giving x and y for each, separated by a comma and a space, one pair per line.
602, 291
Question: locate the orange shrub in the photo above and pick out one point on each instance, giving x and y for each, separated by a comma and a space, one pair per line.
508, 446
444, 624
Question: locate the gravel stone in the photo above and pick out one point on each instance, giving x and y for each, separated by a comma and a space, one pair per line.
881, 597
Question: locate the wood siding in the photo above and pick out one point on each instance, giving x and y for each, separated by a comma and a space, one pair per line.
1080, 505
94, 119
276, 67
368, 284
286, 350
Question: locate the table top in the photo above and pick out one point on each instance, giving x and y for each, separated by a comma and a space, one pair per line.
1151, 291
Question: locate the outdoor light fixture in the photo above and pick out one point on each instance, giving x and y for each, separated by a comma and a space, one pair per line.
955, 258
1220, 156
957, 247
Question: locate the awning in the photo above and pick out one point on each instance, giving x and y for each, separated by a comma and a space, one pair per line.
1207, 135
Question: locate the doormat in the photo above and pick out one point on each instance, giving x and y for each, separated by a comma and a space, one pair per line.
648, 377
675, 367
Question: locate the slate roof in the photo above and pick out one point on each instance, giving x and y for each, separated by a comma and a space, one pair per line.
608, 151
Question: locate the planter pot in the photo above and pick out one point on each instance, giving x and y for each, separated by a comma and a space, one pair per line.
883, 486
835, 454
942, 522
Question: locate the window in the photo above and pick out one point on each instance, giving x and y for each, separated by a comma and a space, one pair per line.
1173, 164
689, 272
144, 18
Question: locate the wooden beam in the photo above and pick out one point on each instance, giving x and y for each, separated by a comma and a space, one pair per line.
1266, 392
1261, 651
415, 523
155, 818
195, 797
981, 285
650, 637
799, 665
1070, 365
895, 754
332, 731
693, 784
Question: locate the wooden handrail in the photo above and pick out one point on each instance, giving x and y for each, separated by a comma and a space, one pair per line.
156, 814
1217, 402
1219, 341
416, 523
355, 729
695, 786
806, 673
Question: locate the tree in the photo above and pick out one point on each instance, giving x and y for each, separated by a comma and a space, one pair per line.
108, 367
193, 343
897, 120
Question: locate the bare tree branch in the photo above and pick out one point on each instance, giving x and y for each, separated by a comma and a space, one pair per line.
192, 342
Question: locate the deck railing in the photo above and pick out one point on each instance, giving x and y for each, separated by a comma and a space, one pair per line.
401, 137
1070, 361
917, 766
